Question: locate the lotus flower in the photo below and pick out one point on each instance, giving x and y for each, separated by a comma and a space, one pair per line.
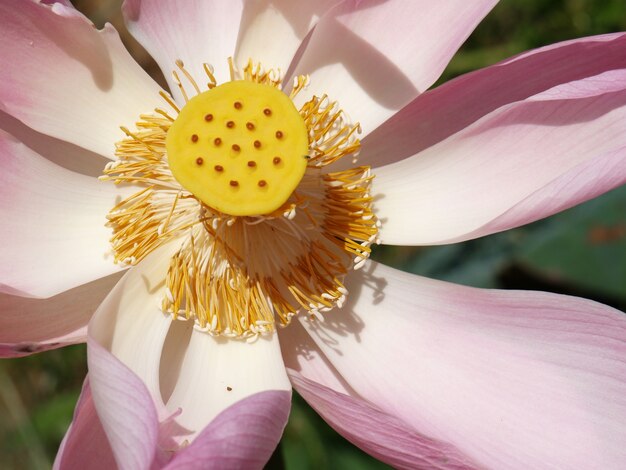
189, 363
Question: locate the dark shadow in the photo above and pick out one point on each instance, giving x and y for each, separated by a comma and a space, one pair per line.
383, 81
343, 321
352, 51
449, 108
173, 354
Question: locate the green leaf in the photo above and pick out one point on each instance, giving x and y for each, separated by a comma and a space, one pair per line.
584, 246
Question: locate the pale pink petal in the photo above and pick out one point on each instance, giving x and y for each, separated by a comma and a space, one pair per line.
53, 235
374, 57
194, 31
125, 408
380, 434
273, 30
66, 3
85, 444
65, 154
63, 77
78, 335
244, 435
449, 108
522, 162
33, 325
512, 379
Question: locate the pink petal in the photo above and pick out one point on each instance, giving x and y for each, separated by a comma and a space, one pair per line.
522, 162
225, 443
33, 325
449, 108
379, 434
85, 445
511, 379
56, 224
194, 31
374, 57
272, 31
63, 77
125, 407
242, 436
66, 3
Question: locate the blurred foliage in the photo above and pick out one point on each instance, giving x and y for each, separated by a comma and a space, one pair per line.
581, 252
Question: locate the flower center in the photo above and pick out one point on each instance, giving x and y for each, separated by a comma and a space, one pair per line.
241, 185
241, 148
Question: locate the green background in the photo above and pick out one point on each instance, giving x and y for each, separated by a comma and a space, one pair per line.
580, 252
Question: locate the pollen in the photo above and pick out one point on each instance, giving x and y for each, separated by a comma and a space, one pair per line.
239, 119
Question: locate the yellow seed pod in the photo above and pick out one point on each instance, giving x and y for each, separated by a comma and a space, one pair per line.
240, 148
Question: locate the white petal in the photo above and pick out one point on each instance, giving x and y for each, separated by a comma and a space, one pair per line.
272, 30
194, 31
217, 372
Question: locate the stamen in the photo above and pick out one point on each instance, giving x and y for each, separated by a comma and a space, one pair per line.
212, 82
219, 278
180, 86
181, 66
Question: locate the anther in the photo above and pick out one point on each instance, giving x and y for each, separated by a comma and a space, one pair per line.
236, 148
250, 126
219, 168
267, 111
257, 144
279, 134
276, 160
199, 161
251, 163
217, 141
234, 183
208, 117
194, 138
230, 124
262, 183
237, 105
